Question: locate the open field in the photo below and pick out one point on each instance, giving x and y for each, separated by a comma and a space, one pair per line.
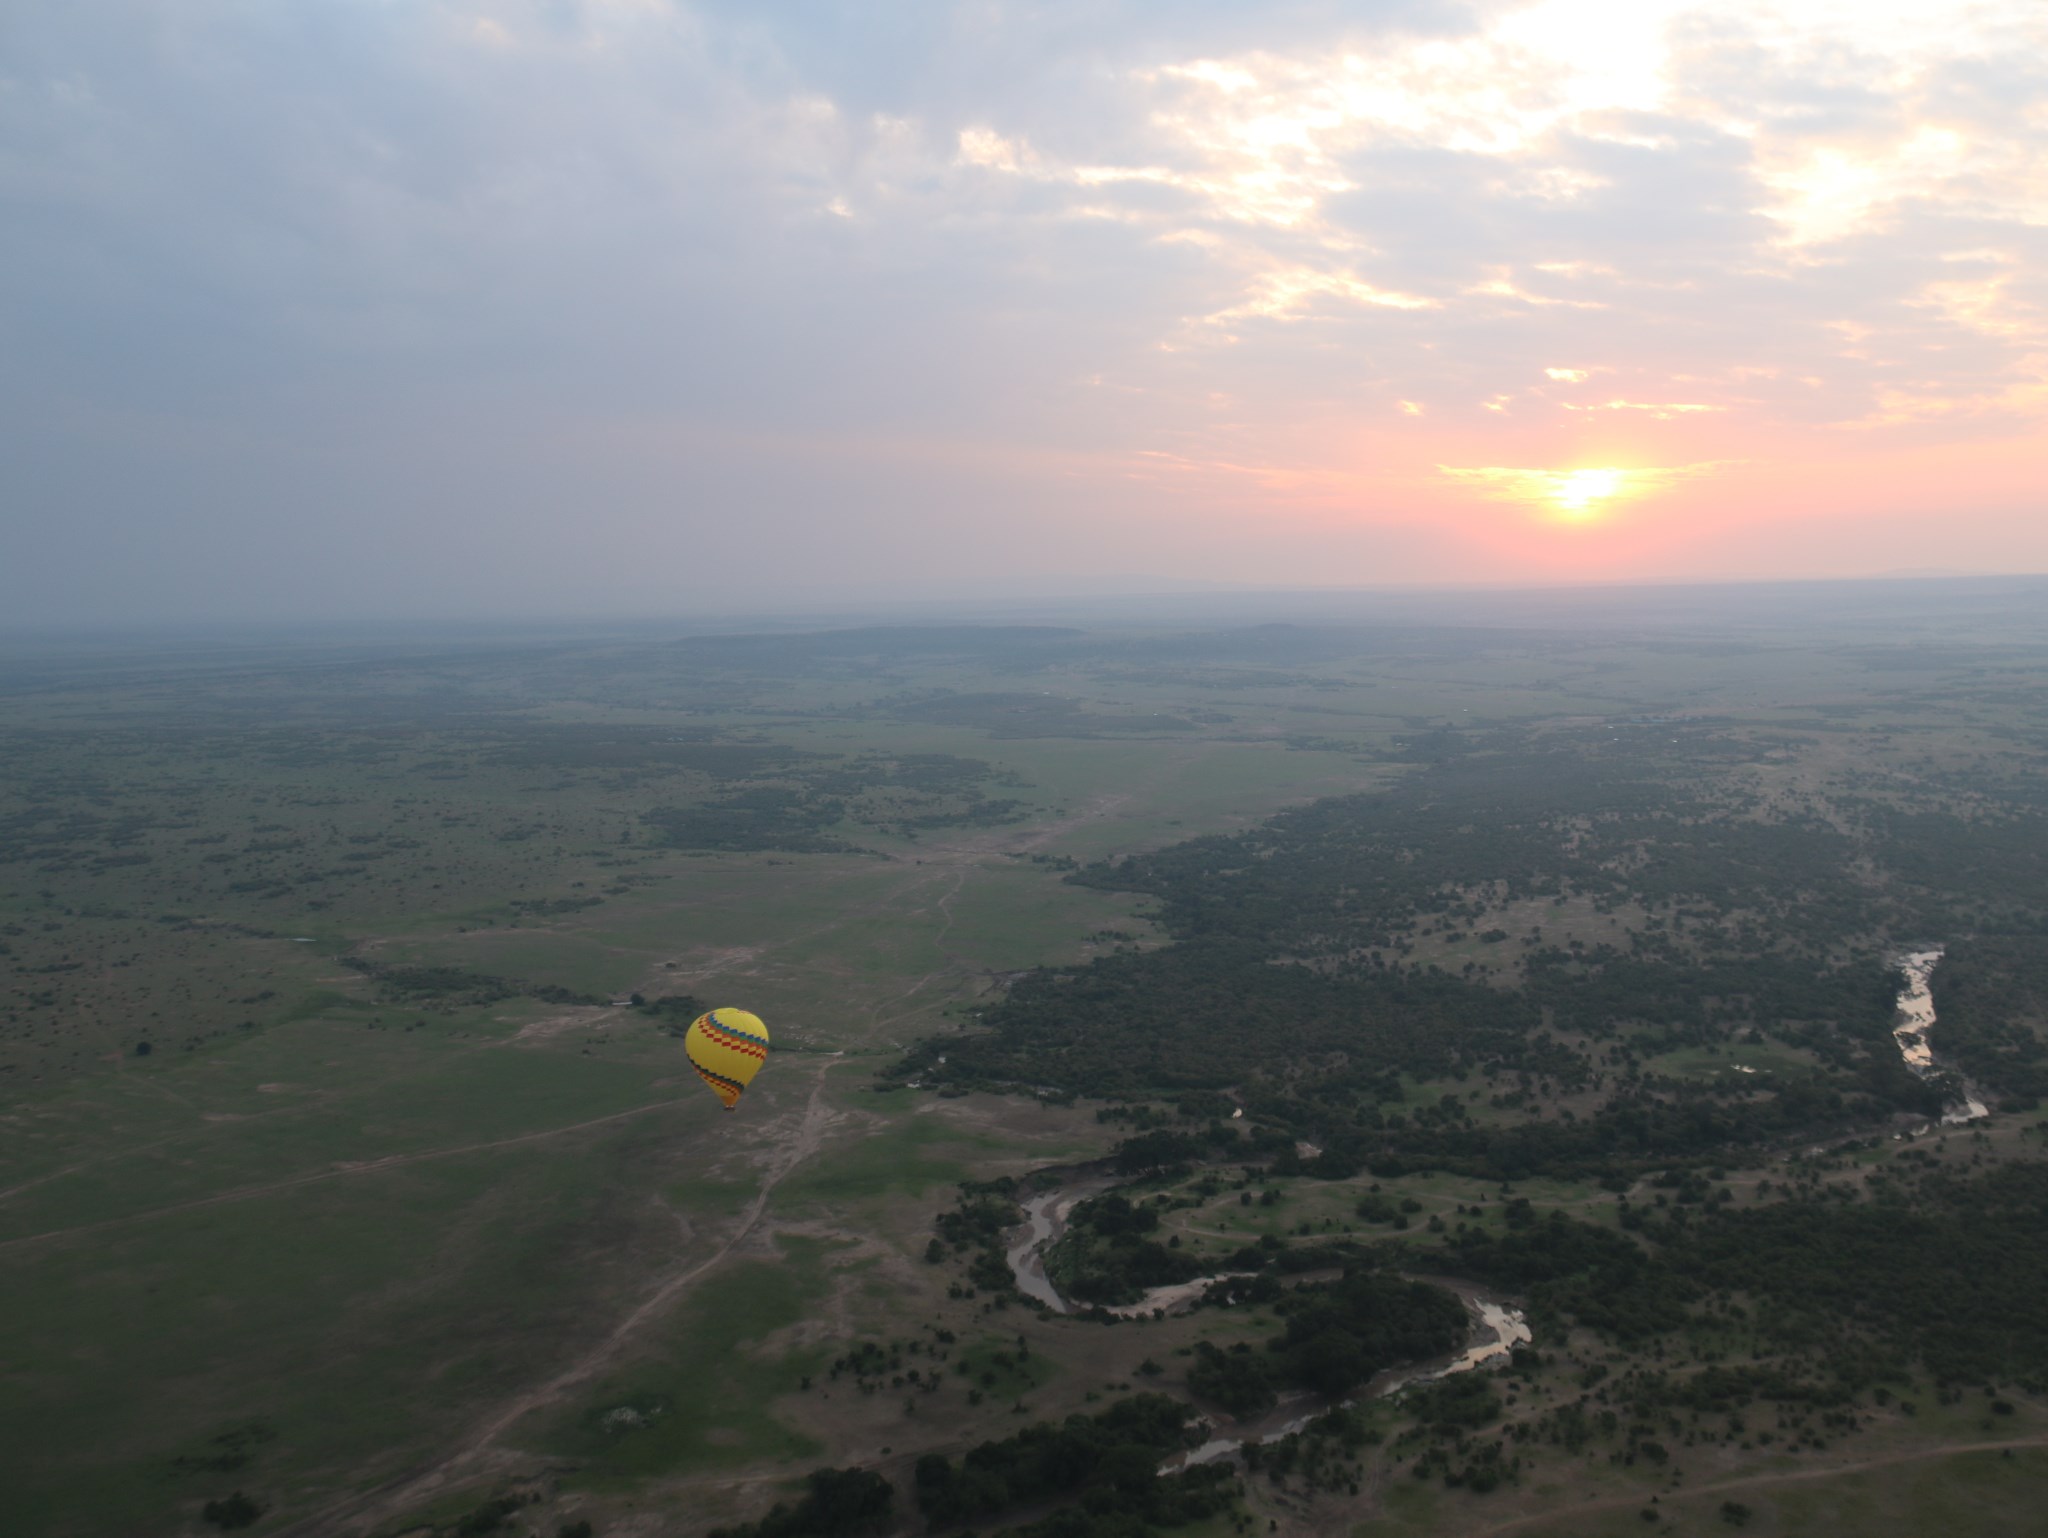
1986, 1488
332, 1172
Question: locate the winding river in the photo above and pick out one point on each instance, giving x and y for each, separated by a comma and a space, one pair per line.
1045, 1219
1497, 1328
1916, 1019
1497, 1325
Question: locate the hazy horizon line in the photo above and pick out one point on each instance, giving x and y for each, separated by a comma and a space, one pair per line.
824, 613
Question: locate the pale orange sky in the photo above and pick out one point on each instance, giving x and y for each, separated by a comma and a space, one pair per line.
466, 307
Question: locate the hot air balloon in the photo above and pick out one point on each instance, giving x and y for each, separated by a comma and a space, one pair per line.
727, 1048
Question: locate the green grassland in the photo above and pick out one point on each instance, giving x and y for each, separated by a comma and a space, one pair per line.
394, 1165
358, 1216
706, 1388
1989, 1491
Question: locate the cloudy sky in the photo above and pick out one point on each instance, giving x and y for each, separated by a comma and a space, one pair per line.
416, 307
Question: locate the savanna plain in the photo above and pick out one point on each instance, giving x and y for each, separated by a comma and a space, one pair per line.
1355, 1066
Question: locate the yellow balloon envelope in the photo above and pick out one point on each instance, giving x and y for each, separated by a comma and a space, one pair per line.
727, 1048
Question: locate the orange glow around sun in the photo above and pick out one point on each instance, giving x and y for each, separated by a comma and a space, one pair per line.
1585, 497
1581, 496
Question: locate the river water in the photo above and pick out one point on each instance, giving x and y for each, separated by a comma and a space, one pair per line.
1045, 1219
1916, 1019
1497, 1326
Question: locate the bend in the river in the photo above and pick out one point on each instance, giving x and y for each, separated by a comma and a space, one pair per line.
1497, 1325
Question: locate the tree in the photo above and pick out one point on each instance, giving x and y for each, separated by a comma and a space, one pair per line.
236, 1511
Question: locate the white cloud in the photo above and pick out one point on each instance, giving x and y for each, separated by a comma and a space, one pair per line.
986, 148
1661, 410
1288, 294
1782, 132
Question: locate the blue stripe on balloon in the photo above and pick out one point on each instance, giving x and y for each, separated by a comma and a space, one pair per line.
759, 1041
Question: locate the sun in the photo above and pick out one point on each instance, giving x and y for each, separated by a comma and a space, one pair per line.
1581, 495
1584, 498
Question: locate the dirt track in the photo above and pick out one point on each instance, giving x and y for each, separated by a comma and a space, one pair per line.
477, 1452
943, 865
394, 1496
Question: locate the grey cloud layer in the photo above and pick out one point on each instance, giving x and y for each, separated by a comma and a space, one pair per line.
565, 297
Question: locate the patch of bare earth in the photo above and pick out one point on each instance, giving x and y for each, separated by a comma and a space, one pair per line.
584, 1018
